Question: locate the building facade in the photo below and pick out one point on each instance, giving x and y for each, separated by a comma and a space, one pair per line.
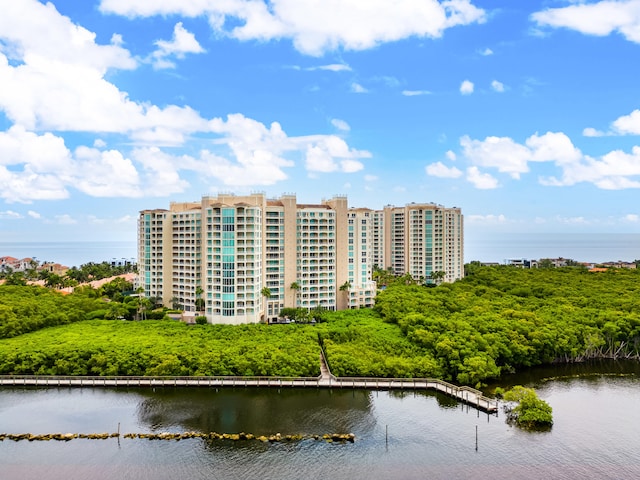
242, 259
422, 239
360, 289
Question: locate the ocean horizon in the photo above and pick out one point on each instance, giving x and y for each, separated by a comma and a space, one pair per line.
592, 247
581, 247
71, 254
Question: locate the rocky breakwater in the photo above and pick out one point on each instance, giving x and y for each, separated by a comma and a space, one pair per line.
55, 436
327, 437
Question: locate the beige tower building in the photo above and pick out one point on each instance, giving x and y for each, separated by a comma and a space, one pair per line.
151, 249
242, 259
361, 240
421, 239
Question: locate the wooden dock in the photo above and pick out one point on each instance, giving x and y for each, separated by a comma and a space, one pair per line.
466, 395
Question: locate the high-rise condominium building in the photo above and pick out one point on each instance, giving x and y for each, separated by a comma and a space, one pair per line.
421, 239
242, 259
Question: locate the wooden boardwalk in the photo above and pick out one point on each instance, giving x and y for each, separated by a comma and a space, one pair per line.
466, 395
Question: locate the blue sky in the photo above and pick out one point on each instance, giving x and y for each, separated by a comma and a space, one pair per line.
526, 114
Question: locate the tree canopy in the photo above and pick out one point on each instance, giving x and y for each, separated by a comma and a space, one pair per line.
495, 320
504, 318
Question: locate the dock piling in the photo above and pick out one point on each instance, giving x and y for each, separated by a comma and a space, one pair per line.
476, 438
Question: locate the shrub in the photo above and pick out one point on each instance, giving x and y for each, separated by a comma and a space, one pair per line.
531, 411
97, 314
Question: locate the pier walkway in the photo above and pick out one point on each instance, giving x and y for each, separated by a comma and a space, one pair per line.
466, 395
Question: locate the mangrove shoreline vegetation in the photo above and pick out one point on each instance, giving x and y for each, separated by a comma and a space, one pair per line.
529, 411
494, 321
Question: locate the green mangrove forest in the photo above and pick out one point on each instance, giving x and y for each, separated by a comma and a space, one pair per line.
496, 320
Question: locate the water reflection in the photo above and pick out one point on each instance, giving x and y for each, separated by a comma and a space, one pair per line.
444, 401
594, 370
408, 435
257, 411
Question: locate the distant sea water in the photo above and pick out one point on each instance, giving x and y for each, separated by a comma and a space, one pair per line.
588, 247
71, 253
484, 247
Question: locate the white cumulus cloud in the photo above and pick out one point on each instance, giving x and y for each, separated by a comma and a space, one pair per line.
624, 125
57, 82
482, 181
490, 219
497, 86
10, 215
466, 87
247, 153
512, 158
340, 124
106, 174
33, 167
65, 219
315, 27
332, 154
592, 132
615, 170
414, 93
439, 169
628, 124
571, 220
58, 39
183, 42
357, 88
600, 18
333, 67
497, 152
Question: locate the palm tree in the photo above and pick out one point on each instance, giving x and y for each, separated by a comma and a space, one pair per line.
176, 304
199, 299
116, 311
407, 279
143, 303
295, 286
383, 277
345, 287
438, 276
31, 272
266, 293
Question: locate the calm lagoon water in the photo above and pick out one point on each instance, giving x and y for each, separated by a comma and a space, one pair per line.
402, 435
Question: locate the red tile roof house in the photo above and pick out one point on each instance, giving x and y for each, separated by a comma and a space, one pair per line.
17, 265
8, 262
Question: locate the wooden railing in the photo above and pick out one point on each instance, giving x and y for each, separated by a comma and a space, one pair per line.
464, 394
